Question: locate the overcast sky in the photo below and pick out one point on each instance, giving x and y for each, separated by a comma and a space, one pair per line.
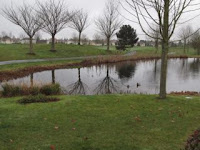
94, 7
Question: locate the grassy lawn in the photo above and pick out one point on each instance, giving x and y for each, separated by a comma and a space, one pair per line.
18, 51
114, 122
16, 67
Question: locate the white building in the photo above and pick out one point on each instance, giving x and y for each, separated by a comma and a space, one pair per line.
6, 40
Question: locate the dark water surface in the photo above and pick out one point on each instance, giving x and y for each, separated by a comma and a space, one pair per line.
125, 77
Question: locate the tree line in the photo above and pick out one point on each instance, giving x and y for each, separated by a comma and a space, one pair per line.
54, 15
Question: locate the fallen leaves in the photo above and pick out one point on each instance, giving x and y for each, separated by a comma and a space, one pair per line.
138, 119
52, 147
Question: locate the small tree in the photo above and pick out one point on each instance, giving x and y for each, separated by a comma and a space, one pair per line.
126, 37
109, 22
55, 16
98, 39
79, 23
195, 42
25, 17
184, 35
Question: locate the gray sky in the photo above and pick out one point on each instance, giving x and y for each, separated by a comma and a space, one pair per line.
94, 7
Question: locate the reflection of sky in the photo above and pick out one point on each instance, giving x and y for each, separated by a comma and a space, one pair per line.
182, 76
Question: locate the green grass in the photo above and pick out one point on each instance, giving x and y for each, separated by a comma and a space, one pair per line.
19, 51
172, 50
15, 67
114, 122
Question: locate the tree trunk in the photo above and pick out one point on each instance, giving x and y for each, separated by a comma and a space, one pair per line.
31, 46
156, 45
163, 77
165, 49
108, 43
53, 77
79, 39
31, 79
53, 43
184, 46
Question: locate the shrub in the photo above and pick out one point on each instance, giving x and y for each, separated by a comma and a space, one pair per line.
37, 99
51, 89
193, 143
22, 90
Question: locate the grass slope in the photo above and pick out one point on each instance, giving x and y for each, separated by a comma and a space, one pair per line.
19, 51
114, 122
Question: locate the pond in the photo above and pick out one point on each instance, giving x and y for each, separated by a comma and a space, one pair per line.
142, 77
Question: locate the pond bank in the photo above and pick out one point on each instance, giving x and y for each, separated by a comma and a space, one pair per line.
13, 74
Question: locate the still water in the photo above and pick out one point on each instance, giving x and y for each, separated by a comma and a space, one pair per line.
125, 77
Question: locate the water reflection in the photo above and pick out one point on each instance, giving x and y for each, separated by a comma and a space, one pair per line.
125, 77
79, 87
126, 71
53, 77
195, 66
107, 85
31, 79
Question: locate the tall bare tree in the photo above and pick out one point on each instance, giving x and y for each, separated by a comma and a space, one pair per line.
164, 13
185, 35
25, 17
79, 22
56, 16
109, 22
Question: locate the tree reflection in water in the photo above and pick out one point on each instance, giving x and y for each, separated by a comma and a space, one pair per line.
78, 88
53, 77
31, 79
195, 66
126, 71
107, 86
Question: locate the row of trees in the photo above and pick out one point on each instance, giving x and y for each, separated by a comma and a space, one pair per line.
53, 16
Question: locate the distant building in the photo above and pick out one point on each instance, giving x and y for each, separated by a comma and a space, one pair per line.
16, 40
113, 42
142, 43
27, 41
42, 41
6, 40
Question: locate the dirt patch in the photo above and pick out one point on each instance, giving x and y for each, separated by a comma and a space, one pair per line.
186, 93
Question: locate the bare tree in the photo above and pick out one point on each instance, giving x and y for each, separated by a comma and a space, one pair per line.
195, 42
155, 35
185, 34
56, 16
109, 22
38, 36
25, 17
98, 39
85, 40
79, 22
74, 38
164, 13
